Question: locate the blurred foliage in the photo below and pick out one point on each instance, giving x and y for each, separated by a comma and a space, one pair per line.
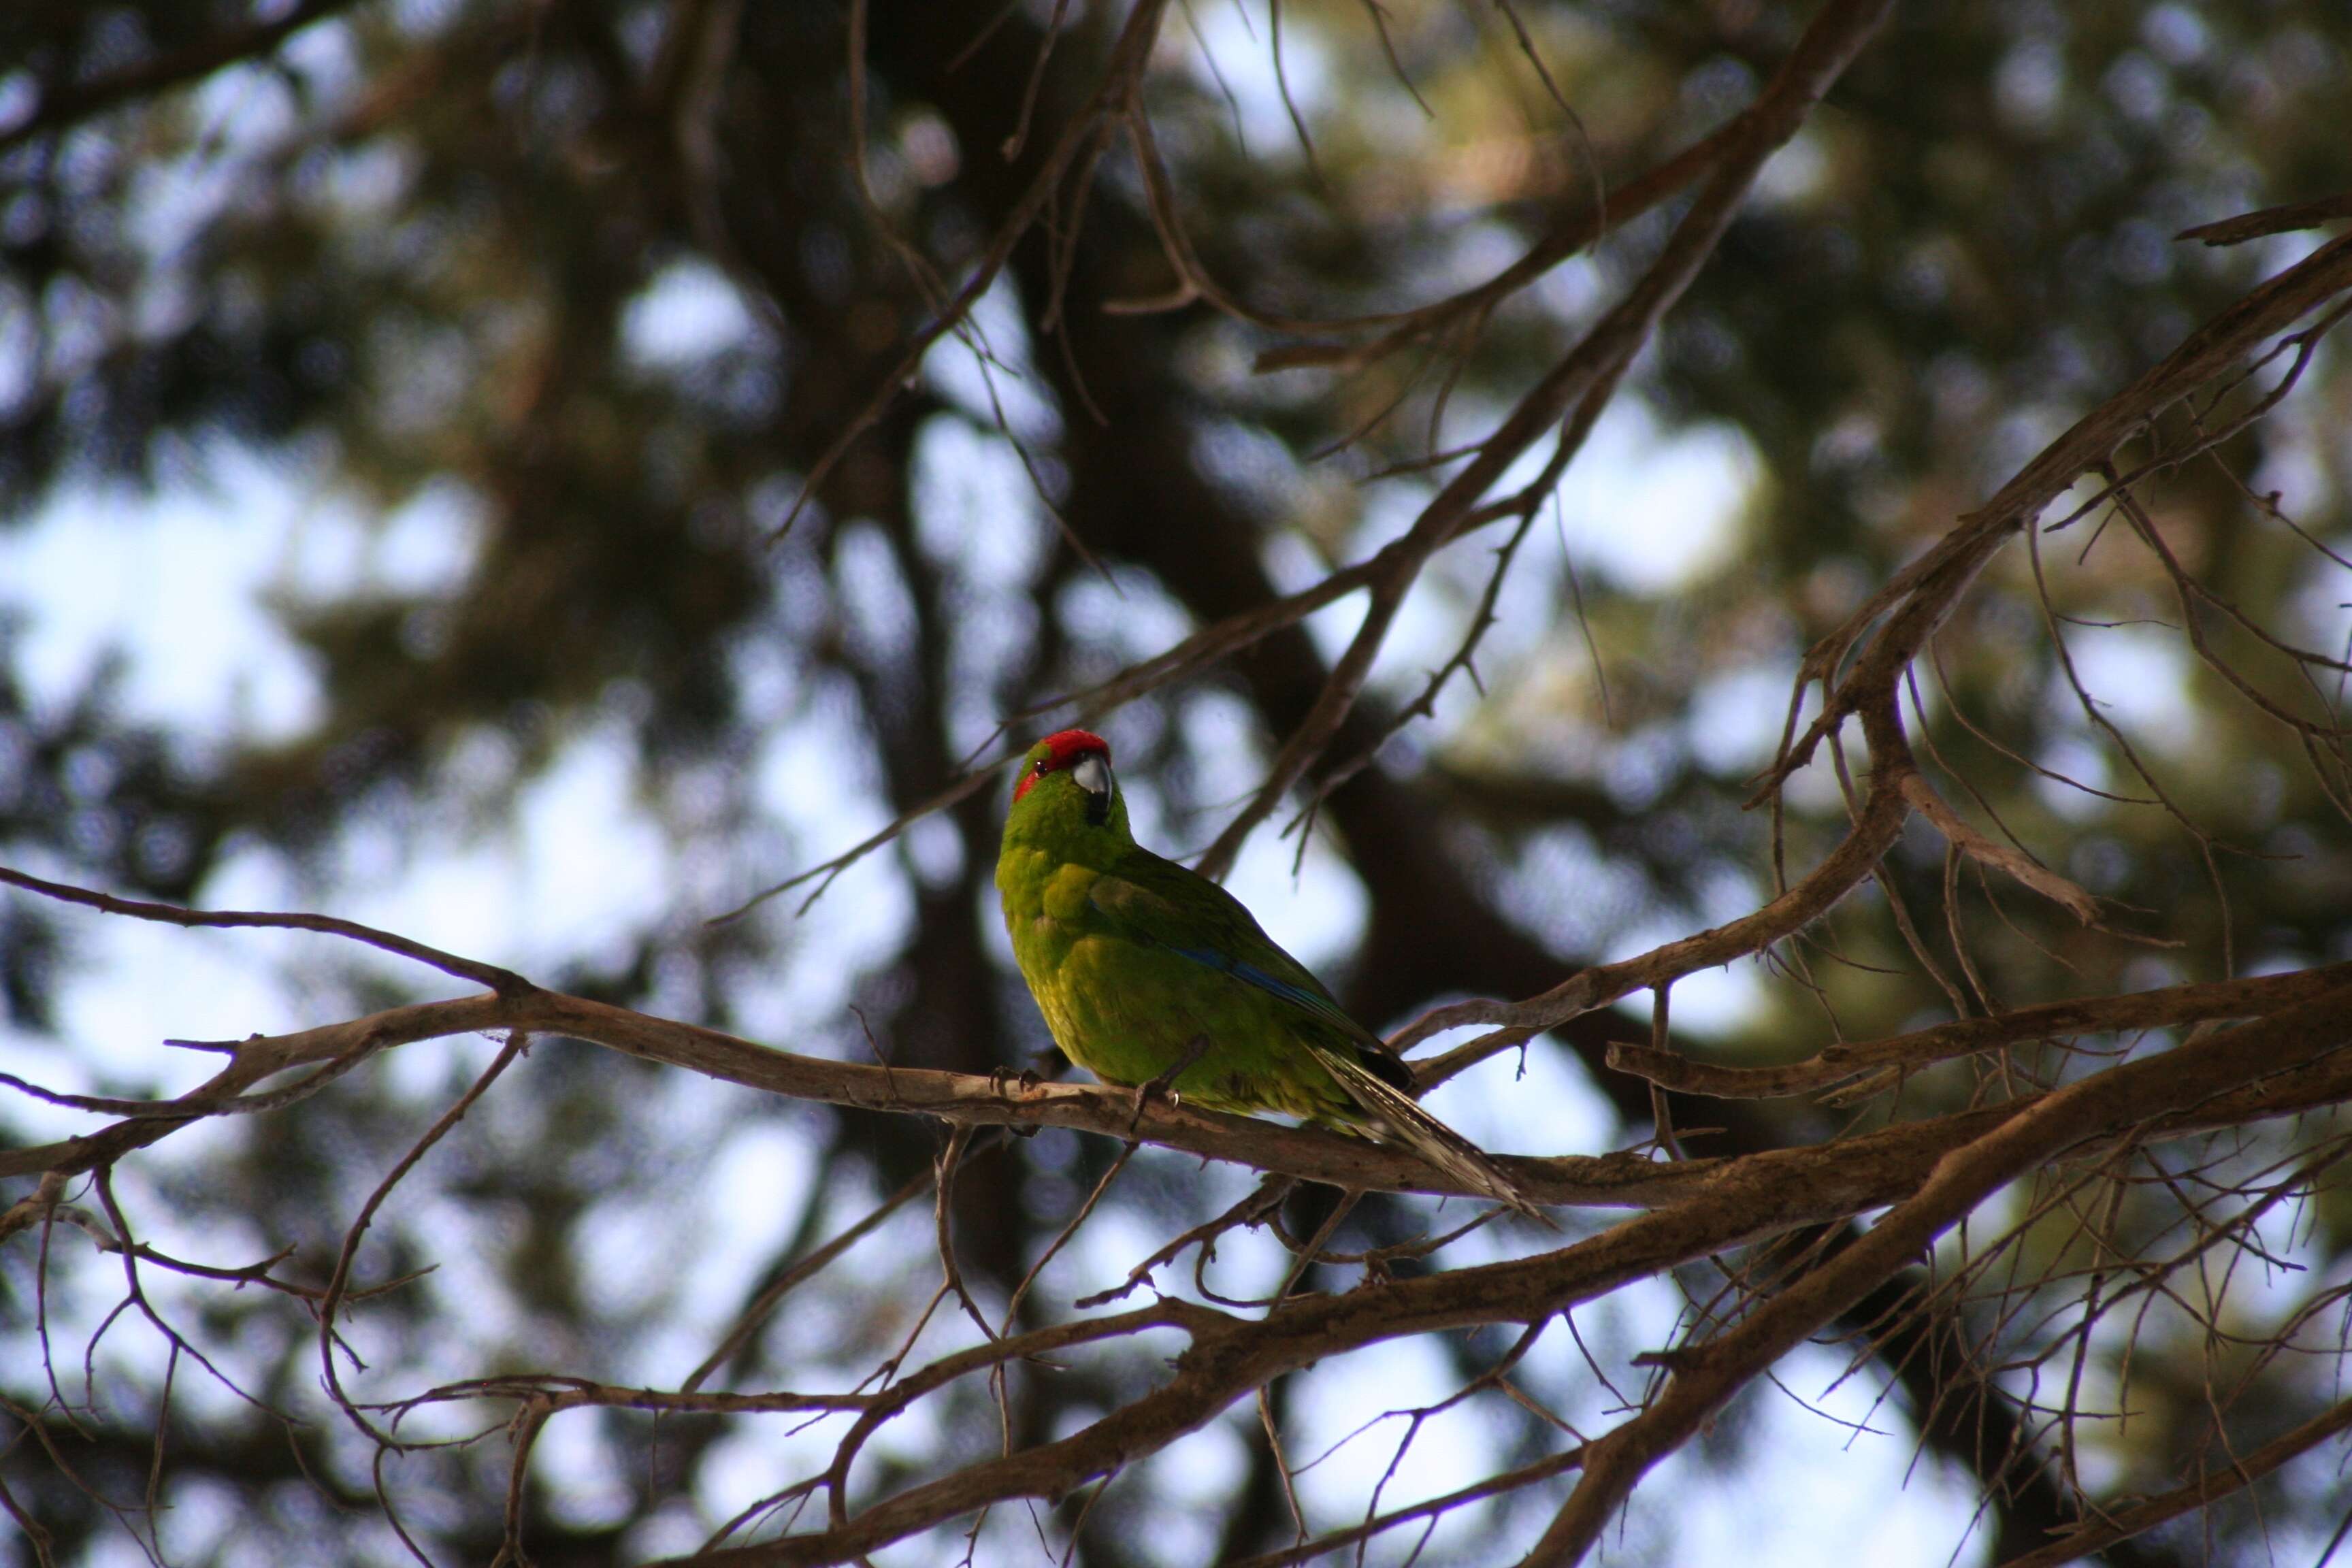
605, 278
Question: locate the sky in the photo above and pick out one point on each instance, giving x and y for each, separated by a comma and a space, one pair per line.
181, 585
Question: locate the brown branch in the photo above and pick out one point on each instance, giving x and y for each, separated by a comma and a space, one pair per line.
1969, 841
1876, 826
1914, 600
559, 1393
1622, 1180
2095, 1535
1222, 639
963, 1098
2288, 1062
1574, 390
1897, 622
2271, 220
505, 981
2126, 1096
1835, 1064
34, 1207
1573, 231
1493, 1485
1251, 1211
1128, 56
339, 1282
755, 1316
253, 1061
826, 872
1766, 1194
67, 104
1463, 660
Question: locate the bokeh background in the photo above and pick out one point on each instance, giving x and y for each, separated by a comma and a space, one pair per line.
404, 417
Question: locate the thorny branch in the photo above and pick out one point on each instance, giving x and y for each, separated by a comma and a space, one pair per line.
1860, 668
1707, 1374
1570, 397
977, 1100
1566, 400
2289, 1059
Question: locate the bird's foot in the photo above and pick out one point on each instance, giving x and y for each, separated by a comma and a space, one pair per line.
1004, 1081
1165, 1083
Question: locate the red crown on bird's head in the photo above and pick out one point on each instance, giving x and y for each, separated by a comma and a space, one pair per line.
1062, 749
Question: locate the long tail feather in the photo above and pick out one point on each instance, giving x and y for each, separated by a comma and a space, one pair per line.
1397, 1117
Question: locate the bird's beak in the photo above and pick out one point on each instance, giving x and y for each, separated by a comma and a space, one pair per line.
1093, 775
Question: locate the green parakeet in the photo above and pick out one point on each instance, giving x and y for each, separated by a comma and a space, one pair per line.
1148, 973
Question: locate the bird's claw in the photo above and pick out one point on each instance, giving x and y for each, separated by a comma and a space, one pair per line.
1165, 1082
1146, 1091
1004, 1081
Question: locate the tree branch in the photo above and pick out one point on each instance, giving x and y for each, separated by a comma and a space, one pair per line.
2132, 1094
1575, 390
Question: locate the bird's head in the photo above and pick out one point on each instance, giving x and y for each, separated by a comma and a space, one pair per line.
1067, 775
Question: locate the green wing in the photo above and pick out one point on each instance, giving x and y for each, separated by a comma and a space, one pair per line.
1158, 903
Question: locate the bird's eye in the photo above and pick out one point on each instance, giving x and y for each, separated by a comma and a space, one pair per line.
1042, 764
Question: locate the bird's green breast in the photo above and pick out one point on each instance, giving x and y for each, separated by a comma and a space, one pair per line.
1042, 897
